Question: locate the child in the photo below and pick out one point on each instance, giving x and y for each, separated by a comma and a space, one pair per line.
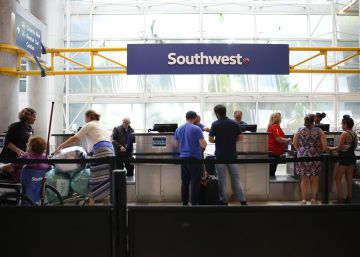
30, 175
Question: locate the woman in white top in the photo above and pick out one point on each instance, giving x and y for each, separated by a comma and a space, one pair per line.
98, 141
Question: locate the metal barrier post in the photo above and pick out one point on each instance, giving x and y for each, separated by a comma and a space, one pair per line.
325, 178
119, 204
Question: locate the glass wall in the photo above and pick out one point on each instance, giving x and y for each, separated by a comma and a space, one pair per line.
166, 98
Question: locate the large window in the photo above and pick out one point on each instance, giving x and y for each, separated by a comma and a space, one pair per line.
150, 99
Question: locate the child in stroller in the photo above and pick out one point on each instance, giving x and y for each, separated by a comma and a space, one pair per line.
30, 175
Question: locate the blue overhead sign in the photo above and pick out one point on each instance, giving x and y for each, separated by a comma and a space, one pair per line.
27, 36
207, 59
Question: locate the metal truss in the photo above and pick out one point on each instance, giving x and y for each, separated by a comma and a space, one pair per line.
79, 68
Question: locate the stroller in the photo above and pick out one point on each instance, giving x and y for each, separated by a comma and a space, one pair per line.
30, 191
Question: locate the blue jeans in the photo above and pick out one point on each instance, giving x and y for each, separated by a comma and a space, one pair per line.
235, 181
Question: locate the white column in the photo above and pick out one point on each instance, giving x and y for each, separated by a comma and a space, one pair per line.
42, 91
9, 86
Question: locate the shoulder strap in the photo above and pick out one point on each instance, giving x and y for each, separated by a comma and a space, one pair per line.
353, 141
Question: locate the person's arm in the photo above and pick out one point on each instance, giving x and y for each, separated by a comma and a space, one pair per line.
323, 141
212, 134
175, 143
11, 136
202, 143
8, 168
211, 139
114, 136
341, 144
206, 129
15, 149
68, 142
296, 141
176, 139
283, 140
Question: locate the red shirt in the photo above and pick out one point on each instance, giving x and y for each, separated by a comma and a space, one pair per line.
274, 146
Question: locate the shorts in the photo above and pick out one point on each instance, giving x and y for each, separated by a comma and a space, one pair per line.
347, 158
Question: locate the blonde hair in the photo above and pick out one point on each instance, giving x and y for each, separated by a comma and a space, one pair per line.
26, 113
275, 118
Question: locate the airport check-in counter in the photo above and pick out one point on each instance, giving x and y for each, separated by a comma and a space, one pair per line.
61, 138
162, 182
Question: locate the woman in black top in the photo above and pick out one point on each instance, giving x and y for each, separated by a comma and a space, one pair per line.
346, 148
18, 135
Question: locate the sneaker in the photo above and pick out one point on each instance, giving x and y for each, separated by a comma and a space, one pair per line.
222, 203
303, 202
243, 203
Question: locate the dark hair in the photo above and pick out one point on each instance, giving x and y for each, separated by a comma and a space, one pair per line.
190, 115
92, 115
348, 121
220, 110
321, 115
309, 120
25, 113
37, 145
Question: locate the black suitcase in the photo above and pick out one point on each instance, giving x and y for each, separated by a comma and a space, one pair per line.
356, 191
209, 193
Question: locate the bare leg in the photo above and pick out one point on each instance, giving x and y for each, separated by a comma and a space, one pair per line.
314, 184
340, 170
349, 179
91, 201
304, 184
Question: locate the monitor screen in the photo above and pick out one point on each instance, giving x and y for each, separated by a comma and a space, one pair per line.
250, 128
324, 127
159, 141
171, 127
330, 141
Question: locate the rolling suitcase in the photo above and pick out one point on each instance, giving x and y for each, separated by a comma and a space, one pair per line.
209, 191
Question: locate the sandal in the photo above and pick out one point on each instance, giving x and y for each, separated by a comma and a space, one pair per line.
314, 202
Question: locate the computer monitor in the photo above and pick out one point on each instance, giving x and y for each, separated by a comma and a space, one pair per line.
250, 128
171, 127
330, 141
324, 127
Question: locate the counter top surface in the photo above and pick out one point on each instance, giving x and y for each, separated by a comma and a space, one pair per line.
172, 133
64, 134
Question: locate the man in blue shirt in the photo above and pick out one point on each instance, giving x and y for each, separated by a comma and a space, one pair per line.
191, 141
225, 133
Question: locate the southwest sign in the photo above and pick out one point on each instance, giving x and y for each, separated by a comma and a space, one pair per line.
27, 36
207, 59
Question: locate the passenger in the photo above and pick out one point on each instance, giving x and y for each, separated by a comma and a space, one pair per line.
191, 141
200, 125
319, 116
276, 140
123, 139
18, 135
225, 133
238, 118
32, 175
98, 141
346, 149
309, 141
